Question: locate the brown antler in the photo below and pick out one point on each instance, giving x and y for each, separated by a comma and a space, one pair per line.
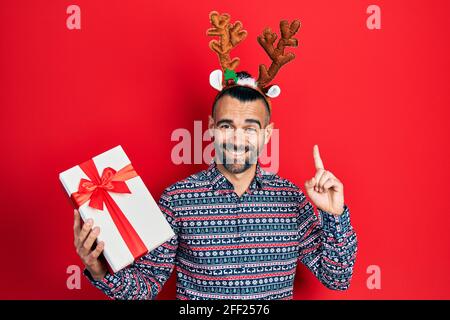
279, 58
230, 36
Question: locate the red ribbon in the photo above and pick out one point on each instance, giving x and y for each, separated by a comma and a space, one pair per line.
97, 189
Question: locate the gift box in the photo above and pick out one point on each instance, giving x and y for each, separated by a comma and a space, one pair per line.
107, 189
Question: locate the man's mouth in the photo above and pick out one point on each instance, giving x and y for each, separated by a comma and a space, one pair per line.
236, 153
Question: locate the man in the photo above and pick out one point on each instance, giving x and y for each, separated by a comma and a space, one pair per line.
240, 231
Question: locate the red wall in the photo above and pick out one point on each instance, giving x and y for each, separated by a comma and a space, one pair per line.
376, 102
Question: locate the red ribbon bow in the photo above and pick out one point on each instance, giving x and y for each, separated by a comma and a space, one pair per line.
97, 189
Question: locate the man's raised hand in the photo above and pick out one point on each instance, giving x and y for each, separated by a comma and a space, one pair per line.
324, 189
84, 239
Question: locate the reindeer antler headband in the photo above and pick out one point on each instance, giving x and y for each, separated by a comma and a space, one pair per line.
231, 35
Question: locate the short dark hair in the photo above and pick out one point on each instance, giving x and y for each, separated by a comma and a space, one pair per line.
243, 94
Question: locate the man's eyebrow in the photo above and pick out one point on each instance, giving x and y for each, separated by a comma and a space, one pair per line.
229, 121
254, 121
224, 121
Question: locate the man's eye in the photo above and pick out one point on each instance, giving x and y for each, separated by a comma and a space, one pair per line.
225, 126
251, 130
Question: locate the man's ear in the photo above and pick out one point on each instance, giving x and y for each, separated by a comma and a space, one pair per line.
211, 126
268, 132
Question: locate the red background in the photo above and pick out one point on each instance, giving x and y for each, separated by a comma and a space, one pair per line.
376, 102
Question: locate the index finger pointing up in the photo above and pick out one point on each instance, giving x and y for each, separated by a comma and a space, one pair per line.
317, 160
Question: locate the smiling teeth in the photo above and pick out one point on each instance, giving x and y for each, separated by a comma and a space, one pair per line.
237, 153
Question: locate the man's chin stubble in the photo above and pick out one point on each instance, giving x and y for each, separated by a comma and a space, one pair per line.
237, 168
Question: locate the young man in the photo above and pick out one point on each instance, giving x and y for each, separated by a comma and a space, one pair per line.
239, 231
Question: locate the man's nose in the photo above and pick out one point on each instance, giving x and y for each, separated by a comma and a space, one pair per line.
239, 137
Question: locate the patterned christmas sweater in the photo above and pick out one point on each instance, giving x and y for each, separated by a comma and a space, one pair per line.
231, 247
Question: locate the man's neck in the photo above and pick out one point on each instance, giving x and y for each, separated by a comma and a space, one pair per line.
240, 181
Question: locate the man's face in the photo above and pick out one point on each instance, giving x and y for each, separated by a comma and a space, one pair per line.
240, 132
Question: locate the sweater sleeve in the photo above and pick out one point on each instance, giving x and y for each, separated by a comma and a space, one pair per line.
328, 244
144, 278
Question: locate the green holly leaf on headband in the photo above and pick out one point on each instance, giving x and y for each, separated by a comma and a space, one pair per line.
230, 74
